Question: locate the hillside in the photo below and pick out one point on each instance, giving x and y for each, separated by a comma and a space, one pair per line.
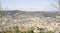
27, 20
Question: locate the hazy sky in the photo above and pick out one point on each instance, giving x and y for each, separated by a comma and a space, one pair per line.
29, 5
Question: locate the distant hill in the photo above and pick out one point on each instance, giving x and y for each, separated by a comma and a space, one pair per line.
17, 12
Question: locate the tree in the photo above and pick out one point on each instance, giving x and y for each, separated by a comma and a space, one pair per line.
56, 6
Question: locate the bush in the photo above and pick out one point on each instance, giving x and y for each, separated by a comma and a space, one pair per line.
41, 30
17, 30
30, 31
8, 31
49, 32
24, 32
2, 32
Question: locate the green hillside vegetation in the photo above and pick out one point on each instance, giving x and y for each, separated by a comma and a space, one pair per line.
29, 31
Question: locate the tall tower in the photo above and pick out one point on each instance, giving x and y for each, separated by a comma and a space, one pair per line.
0, 6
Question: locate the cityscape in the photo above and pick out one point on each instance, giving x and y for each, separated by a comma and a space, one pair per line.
30, 21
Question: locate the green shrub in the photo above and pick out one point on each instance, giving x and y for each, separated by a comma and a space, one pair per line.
24, 32
41, 32
8, 31
49, 32
17, 30
2, 32
30, 31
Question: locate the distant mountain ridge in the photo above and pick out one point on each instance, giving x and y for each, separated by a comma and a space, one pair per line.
45, 14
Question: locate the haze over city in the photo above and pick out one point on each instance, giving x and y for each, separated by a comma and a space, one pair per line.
29, 5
